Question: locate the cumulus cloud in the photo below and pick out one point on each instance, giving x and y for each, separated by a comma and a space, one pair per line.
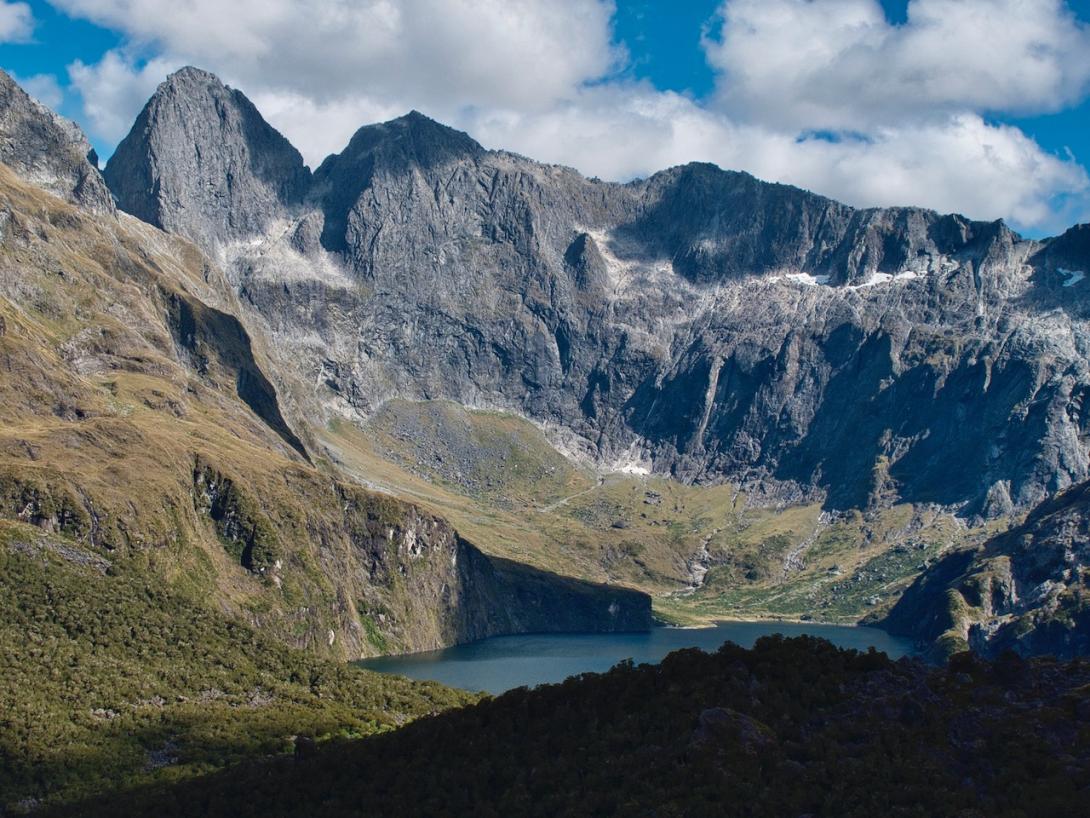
16, 22
472, 52
902, 111
115, 89
839, 64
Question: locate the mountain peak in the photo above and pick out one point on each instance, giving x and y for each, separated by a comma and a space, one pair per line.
413, 137
49, 150
202, 161
190, 74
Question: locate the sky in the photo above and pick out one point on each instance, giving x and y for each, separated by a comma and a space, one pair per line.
974, 106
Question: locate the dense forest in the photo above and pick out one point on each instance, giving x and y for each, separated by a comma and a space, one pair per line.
793, 727
109, 680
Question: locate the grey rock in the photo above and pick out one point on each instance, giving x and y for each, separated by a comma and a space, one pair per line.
1024, 590
48, 150
203, 163
700, 323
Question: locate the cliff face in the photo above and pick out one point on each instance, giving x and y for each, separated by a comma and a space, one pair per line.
699, 323
1024, 590
201, 162
139, 422
48, 150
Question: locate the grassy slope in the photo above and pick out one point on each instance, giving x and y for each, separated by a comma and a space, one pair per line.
122, 414
502, 484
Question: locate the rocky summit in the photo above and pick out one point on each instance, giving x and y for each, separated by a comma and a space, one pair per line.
48, 150
700, 323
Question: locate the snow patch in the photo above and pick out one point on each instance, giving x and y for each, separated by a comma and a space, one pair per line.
1072, 277
807, 279
874, 279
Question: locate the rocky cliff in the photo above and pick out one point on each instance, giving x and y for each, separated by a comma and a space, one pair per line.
700, 323
201, 162
139, 423
1024, 590
48, 150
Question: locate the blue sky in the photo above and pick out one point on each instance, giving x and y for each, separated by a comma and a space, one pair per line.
823, 93
663, 39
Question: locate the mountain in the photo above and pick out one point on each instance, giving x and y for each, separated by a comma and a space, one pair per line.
700, 323
201, 162
1024, 590
48, 150
166, 535
259, 420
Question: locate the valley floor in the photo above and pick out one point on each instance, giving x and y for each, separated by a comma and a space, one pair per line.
705, 553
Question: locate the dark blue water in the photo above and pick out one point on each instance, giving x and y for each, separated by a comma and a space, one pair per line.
505, 662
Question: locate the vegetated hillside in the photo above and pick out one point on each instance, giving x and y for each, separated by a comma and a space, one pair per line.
1023, 590
790, 728
111, 677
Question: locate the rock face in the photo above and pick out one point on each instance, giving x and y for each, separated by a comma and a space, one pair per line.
1024, 590
48, 150
201, 162
699, 323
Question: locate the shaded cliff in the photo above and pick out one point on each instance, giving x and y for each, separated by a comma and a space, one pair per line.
1025, 590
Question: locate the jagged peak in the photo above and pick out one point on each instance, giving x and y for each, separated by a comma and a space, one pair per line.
192, 74
202, 161
48, 150
194, 83
413, 137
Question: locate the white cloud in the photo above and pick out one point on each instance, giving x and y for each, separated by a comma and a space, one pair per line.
839, 64
521, 53
114, 90
539, 77
16, 22
319, 129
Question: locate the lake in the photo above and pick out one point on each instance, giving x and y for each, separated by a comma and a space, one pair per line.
505, 662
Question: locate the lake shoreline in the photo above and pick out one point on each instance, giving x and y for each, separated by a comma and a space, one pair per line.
500, 663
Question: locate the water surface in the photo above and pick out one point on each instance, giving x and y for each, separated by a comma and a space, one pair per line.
504, 662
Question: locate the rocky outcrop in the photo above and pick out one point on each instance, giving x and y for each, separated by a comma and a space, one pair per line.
421, 587
700, 323
48, 150
208, 337
1025, 590
201, 162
